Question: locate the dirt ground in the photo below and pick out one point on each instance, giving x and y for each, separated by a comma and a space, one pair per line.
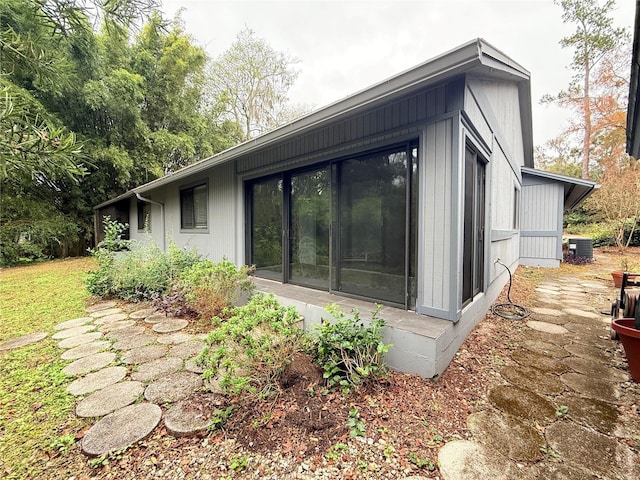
303, 432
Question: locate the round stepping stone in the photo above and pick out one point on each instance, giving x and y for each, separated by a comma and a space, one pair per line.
101, 306
546, 363
545, 348
547, 311
548, 291
116, 317
576, 444
175, 338
76, 322
105, 312
550, 286
522, 403
109, 399
85, 350
79, 340
144, 354
464, 459
581, 313
591, 413
22, 341
192, 416
72, 332
97, 380
507, 435
544, 383
120, 333
187, 349
135, 341
596, 370
143, 313
591, 387
89, 363
157, 318
170, 325
107, 327
156, 369
545, 327
593, 286
192, 365
174, 387
589, 352
121, 429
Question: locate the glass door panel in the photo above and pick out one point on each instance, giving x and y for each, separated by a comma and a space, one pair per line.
266, 228
372, 226
310, 220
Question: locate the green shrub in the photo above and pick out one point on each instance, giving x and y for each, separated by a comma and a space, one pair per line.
210, 288
348, 352
251, 348
138, 273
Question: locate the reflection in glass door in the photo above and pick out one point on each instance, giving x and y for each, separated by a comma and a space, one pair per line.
310, 219
266, 227
373, 233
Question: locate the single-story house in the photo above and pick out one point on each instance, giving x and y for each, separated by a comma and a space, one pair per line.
406, 194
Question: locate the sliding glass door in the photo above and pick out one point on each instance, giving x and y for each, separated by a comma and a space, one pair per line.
348, 226
309, 227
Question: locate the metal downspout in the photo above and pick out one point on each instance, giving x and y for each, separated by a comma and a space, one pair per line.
164, 236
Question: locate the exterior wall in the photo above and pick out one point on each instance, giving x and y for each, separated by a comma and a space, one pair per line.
436, 237
225, 214
541, 222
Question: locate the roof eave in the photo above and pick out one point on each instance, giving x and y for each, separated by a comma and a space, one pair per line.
582, 188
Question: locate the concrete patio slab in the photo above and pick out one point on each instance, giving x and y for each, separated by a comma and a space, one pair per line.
547, 349
597, 370
533, 379
581, 313
109, 399
121, 428
546, 363
464, 459
591, 413
588, 386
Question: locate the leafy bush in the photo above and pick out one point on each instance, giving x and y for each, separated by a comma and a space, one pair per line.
210, 288
348, 352
138, 273
251, 348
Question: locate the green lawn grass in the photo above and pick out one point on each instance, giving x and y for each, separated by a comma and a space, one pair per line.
37, 424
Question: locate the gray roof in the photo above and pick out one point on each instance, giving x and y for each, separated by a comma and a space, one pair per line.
475, 57
576, 190
633, 108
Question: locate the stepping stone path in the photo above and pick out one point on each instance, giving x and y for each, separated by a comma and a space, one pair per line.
113, 366
562, 398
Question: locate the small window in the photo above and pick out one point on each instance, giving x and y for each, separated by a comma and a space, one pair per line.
193, 208
516, 208
144, 217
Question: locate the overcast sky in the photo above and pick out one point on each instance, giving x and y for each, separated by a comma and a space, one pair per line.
347, 45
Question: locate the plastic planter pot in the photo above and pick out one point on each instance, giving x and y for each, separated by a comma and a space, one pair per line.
630, 338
